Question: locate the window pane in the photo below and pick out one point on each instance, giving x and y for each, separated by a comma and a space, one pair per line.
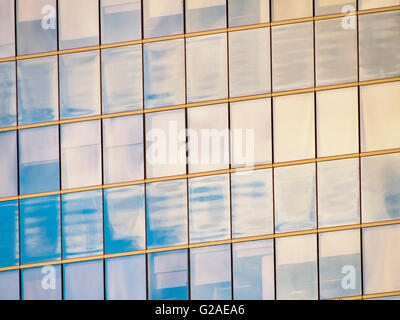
8, 164
253, 270
205, 15
79, 23
168, 275
288, 9
83, 280
209, 208
380, 116
120, 20
40, 229
82, 224
336, 52
7, 36
337, 122
249, 62
79, 84
164, 73
126, 278
36, 26
9, 285
43, 283
251, 140
292, 56
339, 264
123, 149
8, 113
166, 213
121, 71
39, 160
338, 193
81, 154
9, 237
380, 181
247, 12
334, 6
379, 45
37, 90
296, 268
381, 263
368, 4
165, 143
294, 127
210, 273
252, 210
208, 138
162, 18
124, 219
207, 77
295, 198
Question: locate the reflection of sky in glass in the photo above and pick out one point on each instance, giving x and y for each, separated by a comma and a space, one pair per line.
32, 288
166, 213
126, 278
82, 224
205, 15
83, 280
8, 164
9, 285
124, 219
288, 9
253, 270
210, 273
209, 208
121, 79
252, 212
338, 193
40, 229
295, 198
323, 7
168, 275
247, 12
7, 94
7, 36
9, 236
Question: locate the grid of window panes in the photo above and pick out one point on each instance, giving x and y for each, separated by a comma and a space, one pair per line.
78, 180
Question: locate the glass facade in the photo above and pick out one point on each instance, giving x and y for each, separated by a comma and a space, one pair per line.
199, 149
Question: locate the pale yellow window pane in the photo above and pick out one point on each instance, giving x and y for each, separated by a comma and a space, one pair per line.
368, 4
334, 6
291, 9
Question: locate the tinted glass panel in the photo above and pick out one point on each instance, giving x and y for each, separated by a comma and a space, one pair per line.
205, 15
7, 36
9, 237
247, 12
8, 164
7, 94
334, 6
43, 283
368, 4
288, 9
9, 285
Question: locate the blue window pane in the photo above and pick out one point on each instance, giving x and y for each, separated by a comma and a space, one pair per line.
40, 229
121, 20
296, 268
122, 79
8, 164
84, 280
9, 285
123, 149
36, 26
8, 113
253, 270
79, 84
7, 36
78, 23
168, 275
164, 73
252, 203
126, 278
81, 154
338, 193
205, 15
380, 181
207, 76
247, 12
124, 219
9, 238
166, 213
209, 208
162, 18
37, 90
42, 283
39, 165
210, 273
339, 264
295, 198
82, 224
